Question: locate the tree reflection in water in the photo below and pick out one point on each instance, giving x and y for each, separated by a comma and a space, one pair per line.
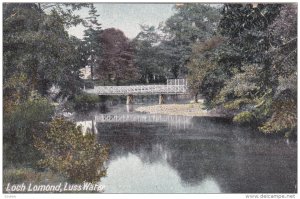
210, 156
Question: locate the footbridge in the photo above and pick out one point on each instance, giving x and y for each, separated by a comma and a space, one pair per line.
173, 87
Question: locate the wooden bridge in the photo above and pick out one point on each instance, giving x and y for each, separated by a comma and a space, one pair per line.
173, 87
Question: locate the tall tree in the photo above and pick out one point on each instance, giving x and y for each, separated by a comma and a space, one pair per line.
202, 62
37, 46
37, 53
245, 26
66, 11
283, 106
262, 86
91, 41
147, 54
191, 23
116, 64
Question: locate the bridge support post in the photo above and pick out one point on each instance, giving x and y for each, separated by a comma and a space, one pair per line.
161, 99
196, 98
129, 99
175, 98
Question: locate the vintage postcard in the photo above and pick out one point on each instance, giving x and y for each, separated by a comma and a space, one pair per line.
164, 97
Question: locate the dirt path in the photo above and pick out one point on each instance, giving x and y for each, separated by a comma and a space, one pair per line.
192, 109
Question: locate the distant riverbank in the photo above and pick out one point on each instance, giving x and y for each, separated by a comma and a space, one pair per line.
190, 109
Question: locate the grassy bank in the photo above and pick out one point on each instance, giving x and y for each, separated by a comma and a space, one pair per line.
191, 109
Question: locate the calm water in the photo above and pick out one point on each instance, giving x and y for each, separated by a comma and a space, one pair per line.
162, 154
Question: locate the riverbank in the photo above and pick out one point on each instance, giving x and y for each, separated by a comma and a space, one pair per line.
190, 109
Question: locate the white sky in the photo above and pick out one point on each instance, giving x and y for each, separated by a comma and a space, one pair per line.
127, 17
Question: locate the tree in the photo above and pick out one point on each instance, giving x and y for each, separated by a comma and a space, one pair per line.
65, 11
91, 41
245, 27
147, 54
36, 44
69, 152
116, 64
37, 53
191, 23
283, 106
262, 87
202, 62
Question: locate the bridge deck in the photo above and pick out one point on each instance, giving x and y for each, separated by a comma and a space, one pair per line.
138, 90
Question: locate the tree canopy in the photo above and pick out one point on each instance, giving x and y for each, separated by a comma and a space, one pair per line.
252, 75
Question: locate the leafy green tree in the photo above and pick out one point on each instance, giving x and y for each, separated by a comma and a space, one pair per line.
262, 87
69, 152
37, 53
227, 61
202, 62
283, 106
173, 57
245, 27
66, 11
191, 23
37, 45
147, 54
91, 41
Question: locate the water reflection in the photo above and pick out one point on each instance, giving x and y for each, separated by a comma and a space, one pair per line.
206, 155
88, 126
129, 108
130, 174
172, 121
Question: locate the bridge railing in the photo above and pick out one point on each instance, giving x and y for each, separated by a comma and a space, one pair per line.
138, 89
176, 82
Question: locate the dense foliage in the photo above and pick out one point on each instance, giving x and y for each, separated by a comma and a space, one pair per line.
20, 125
252, 75
90, 48
38, 53
68, 151
116, 61
242, 58
38, 48
147, 55
85, 102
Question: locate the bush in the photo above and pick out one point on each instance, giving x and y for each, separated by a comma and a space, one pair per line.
19, 126
85, 102
238, 103
69, 152
283, 118
244, 117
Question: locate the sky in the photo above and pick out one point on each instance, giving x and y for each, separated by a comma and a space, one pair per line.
127, 17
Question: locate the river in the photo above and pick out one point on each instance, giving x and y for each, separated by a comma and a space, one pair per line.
164, 154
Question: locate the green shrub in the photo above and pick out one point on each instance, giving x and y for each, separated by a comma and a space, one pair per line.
244, 117
69, 152
283, 118
29, 118
85, 102
237, 104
